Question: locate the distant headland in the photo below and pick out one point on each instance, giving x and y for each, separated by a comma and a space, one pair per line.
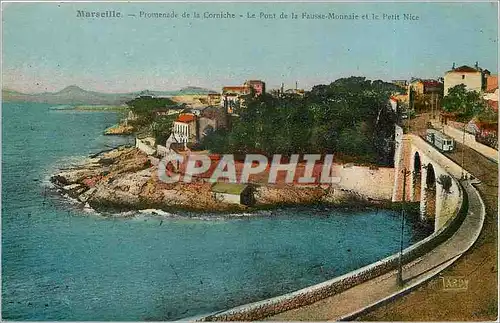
76, 95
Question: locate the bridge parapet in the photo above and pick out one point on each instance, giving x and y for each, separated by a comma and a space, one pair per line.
437, 157
433, 180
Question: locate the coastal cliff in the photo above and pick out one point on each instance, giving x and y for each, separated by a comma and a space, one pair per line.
127, 179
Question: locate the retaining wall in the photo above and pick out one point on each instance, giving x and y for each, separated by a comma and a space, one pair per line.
144, 146
368, 182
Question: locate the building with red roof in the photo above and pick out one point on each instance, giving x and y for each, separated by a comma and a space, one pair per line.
420, 86
474, 78
184, 127
491, 92
491, 83
258, 86
233, 96
186, 118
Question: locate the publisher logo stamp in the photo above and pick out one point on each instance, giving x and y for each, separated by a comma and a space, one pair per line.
455, 283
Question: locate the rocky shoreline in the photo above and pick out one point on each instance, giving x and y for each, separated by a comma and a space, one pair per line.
119, 129
126, 179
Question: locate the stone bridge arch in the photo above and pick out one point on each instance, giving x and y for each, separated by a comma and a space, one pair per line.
437, 202
416, 178
428, 198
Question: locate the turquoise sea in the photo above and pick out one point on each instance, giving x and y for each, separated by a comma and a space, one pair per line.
62, 263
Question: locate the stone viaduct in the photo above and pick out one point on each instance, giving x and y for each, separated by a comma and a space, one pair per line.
428, 177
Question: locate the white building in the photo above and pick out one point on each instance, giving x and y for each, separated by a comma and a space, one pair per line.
181, 130
232, 97
185, 127
474, 78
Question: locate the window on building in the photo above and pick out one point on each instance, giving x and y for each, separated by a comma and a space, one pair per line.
463, 77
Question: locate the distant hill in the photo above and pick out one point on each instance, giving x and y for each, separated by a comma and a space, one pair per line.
195, 90
76, 95
69, 95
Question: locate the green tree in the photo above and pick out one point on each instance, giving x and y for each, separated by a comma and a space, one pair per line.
355, 109
217, 141
349, 116
466, 104
488, 116
144, 106
161, 128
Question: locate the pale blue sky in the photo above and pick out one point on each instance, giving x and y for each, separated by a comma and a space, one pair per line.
45, 47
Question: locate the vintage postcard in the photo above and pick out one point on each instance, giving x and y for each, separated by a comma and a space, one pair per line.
248, 161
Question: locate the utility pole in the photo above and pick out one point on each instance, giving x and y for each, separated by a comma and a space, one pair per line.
432, 106
408, 113
403, 210
463, 151
436, 105
410, 109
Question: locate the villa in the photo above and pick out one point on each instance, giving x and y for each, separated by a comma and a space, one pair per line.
474, 78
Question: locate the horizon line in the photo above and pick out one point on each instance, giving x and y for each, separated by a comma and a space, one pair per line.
88, 89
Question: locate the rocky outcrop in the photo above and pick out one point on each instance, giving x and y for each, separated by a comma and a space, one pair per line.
127, 179
289, 195
119, 129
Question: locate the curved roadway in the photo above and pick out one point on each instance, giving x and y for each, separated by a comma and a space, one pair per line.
479, 265
356, 300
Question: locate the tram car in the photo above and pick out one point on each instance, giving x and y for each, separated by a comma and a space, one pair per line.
440, 140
